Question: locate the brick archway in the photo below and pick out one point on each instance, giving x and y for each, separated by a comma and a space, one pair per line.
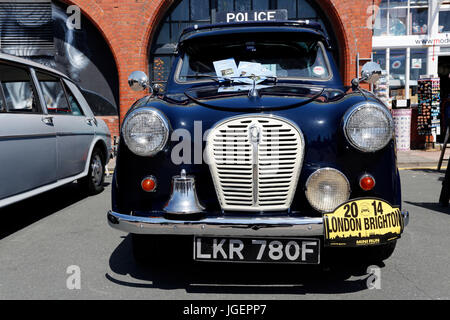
129, 26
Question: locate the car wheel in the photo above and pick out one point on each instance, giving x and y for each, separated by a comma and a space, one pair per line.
93, 182
378, 253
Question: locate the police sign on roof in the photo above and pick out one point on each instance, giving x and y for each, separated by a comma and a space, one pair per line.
243, 16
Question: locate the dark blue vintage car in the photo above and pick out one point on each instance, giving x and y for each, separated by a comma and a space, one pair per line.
257, 151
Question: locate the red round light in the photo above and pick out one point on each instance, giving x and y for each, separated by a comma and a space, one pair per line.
148, 184
367, 183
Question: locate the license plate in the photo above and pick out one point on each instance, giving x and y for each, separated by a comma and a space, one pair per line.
281, 250
363, 222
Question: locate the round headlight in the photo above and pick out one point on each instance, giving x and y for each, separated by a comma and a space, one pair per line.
326, 189
145, 131
369, 127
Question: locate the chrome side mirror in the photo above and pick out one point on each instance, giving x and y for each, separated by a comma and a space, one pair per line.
138, 81
371, 72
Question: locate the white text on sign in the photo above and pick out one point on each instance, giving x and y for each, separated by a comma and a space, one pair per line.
251, 16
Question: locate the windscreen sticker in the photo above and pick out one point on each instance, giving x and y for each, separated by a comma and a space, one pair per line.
226, 68
250, 69
320, 71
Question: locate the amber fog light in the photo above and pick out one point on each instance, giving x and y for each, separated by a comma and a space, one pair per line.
326, 189
149, 184
367, 182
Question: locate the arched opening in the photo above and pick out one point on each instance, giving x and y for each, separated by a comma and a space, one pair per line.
47, 32
185, 13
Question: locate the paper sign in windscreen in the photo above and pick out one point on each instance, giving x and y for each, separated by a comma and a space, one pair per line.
226, 68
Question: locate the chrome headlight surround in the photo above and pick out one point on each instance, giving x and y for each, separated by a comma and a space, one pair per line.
146, 131
360, 118
317, 194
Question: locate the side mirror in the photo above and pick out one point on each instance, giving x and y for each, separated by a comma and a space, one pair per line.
371, 72
138, 81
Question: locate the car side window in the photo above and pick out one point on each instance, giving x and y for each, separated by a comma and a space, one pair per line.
73, 103
2, 101
54, 94
17, 90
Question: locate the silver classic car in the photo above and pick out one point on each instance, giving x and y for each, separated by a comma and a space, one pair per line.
48, 134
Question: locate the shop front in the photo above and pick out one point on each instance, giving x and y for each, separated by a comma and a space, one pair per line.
411, 41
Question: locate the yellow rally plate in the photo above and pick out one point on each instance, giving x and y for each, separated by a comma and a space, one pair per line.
363, 222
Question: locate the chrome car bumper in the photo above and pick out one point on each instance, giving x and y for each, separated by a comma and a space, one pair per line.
223, 226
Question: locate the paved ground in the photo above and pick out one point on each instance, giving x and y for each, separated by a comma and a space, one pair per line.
41, 237
421, 158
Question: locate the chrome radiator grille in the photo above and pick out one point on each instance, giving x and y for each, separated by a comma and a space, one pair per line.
255, 162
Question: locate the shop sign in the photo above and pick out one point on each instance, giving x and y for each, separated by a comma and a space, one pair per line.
244, 16
442, 39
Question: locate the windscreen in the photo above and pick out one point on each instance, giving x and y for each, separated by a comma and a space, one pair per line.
263, 57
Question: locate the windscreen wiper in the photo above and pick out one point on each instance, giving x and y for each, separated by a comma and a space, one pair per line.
219, 80
233, 80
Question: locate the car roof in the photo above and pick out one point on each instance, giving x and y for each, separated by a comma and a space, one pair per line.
305, 26
27, 62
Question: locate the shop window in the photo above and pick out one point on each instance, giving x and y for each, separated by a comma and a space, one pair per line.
419, 20
397, 64
418, 67
418, 63
397, 21
397, 73
380, 25
187, 13
401, 17
444, 20
379, 56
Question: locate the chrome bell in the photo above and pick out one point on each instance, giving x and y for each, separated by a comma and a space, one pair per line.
183, 199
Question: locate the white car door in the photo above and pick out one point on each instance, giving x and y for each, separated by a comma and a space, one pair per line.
74, 129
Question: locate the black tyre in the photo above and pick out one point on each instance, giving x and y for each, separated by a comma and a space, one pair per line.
93, 182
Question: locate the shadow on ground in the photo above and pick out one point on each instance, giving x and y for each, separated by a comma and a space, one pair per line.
441, 171
434, 207
194, 277
24, 213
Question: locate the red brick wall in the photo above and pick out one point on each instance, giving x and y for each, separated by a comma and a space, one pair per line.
129, 25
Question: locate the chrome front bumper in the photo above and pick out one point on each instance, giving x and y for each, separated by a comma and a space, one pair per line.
223, 226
